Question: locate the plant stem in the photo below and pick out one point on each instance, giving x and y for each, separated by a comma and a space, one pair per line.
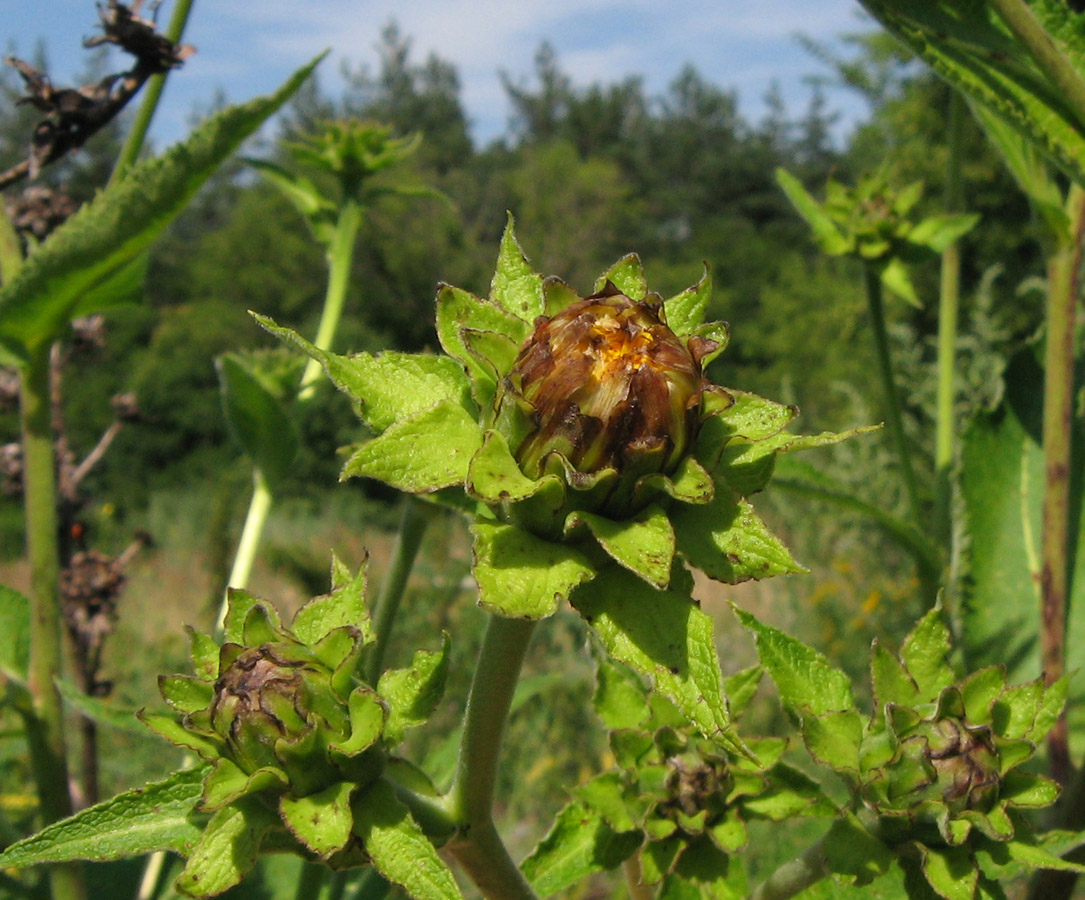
1024, 25
340, 256
1063, 285
894, 419
948, 314
259, 507
478, 848
45, 723
795, 875
152, 92
634, 879
412, 528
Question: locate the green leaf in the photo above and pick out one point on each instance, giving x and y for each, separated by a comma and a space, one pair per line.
157, 816
663, 635
939, 232
345, 605
227, 849
853, 854
1002, 484
321, 821
1002, 853
239, 604
980, 691
414, 692
892, 683
523, 576
495, 476
643, 544
14, 632
804, 678
685, 312
740, 689
367, 715
894, 275
398, 848
516, 287
827, 235
924, 654
833, 739
620, 698
790, 793
422, 454
627, 275
115, 229
174, 732
101, 711
257, 420
950, 871
185, 693
228, 781
579, 844
728, 541
605, 794
389, 387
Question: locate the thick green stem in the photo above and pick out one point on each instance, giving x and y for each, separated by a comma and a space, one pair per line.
893, 417
1062, 72
45, 723
412, 528
340, 256
478, 848
1063, 284
151, 93
259, 507
948, 314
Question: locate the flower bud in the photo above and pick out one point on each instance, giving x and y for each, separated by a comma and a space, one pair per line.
605, 384
966, 763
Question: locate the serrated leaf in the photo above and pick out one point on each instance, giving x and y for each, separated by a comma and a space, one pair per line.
204, 652
968, 46
185, 693
174, 732
662, 635
579, 844
891, 682
345, 605
414, 692
939, 232
227, 781
115, 229
389, 387
644, 544
728, 541
398, 848
790, 792
420, 455
685, 311
157, 816
1050, 709
1025, 790
321, 821
227, 849
807, 683
516, 287
14, 632
523, 576
257, 420
367, 715
924, 654
1003, 853
238, 605
980, 691
740, 689
495, 476
605, 794
627, 275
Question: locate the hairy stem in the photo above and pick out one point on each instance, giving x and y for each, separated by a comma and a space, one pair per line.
45, 723
255, 519
634, 879
412, 528
894, 419
1063, 286
340, 255
478, 848
152, 92
795, 875
948, 310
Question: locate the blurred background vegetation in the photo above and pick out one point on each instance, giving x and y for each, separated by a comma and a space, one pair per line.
590, 172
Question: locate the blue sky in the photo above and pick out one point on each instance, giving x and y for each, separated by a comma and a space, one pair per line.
248, 48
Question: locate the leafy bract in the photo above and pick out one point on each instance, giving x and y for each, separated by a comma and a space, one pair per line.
112, 232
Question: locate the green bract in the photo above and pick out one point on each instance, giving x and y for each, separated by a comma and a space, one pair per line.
299, 749
936, 771
676, 800
575, 432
